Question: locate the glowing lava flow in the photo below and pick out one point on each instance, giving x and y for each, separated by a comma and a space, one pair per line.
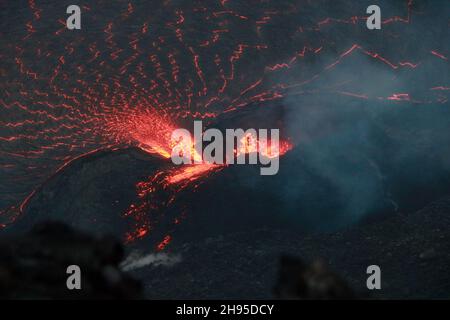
160, 191
144, 67
190, 173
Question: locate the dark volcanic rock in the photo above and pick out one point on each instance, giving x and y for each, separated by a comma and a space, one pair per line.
298, 280
33, 266
231, 248
368, 172
245, 264
92, 192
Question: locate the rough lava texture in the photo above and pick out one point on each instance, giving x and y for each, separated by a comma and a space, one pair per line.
412, 251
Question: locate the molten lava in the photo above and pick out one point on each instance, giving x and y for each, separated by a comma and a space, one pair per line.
160, 191
140, 74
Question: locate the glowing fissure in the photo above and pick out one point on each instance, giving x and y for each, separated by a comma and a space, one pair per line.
70, 95
212, 146
159, 192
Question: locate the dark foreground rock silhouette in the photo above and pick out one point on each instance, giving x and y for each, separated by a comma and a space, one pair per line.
33, 266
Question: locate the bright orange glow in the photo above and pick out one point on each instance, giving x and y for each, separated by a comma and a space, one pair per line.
148, 130
265, 147
191, 172
248, 144
156, 150
155, 138
183, 145
283, 148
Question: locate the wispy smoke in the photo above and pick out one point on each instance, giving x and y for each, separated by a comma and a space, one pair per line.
135, 260
359, 151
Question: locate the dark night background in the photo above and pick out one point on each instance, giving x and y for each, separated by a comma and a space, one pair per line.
366, 111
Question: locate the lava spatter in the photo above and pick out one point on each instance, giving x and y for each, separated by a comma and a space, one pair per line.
138, 70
